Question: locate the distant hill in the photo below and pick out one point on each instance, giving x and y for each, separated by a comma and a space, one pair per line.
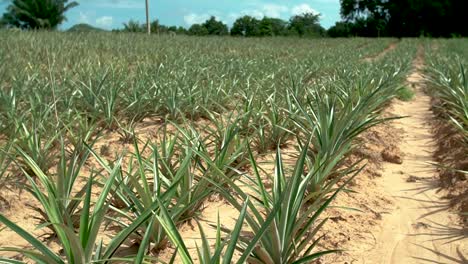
84, 28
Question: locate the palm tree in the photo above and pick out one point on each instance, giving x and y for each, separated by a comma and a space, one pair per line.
37, 14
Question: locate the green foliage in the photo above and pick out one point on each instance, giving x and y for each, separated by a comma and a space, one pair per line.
291, 220
5, 161
341, 29
37, 14
156, 28
282, 228
84, 28
404, 18
300, 25
198, 30
211, 27
78, 236
211, 108
447, 72
133, 26
405, 94
226, 246
273, 27
246, 26
215, 27
306, 25
449, 83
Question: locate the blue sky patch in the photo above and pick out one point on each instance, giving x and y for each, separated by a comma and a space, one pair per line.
110, 14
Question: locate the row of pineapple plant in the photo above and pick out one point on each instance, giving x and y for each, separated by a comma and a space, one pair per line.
253, 106
447, 71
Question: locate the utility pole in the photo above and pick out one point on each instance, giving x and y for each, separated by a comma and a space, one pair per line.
148, 26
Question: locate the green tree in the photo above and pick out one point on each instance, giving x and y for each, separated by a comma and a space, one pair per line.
370, 18
306, 25
155, 26
37, 14
133, 26
198, 30
215, 27
246, 26
273, 27
340, 30
181, 31
406, 18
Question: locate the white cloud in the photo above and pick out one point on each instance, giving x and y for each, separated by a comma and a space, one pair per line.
123, 4
83, 18
105, 21
253, 13
302, 9
272, 10
233, 15
260, 11
194, 18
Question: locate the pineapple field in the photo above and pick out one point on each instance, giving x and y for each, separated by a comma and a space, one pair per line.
125, 148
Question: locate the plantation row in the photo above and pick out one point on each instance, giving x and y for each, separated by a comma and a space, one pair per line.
447, 72
192, 117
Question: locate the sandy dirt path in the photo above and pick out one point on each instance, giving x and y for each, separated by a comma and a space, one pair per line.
420, 229
378, 56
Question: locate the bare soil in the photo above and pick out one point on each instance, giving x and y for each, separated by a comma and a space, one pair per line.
420, 228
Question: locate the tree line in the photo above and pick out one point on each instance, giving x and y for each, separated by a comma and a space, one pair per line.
305, 25
401, 18
46, 14
365, 18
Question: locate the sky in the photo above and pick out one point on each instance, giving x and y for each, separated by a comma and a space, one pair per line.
109, 14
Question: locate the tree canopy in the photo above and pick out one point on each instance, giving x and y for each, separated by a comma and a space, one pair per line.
156, 27
402, 18
246, 26
215, 27
36, 14
273, 27
305, 25
198, 30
